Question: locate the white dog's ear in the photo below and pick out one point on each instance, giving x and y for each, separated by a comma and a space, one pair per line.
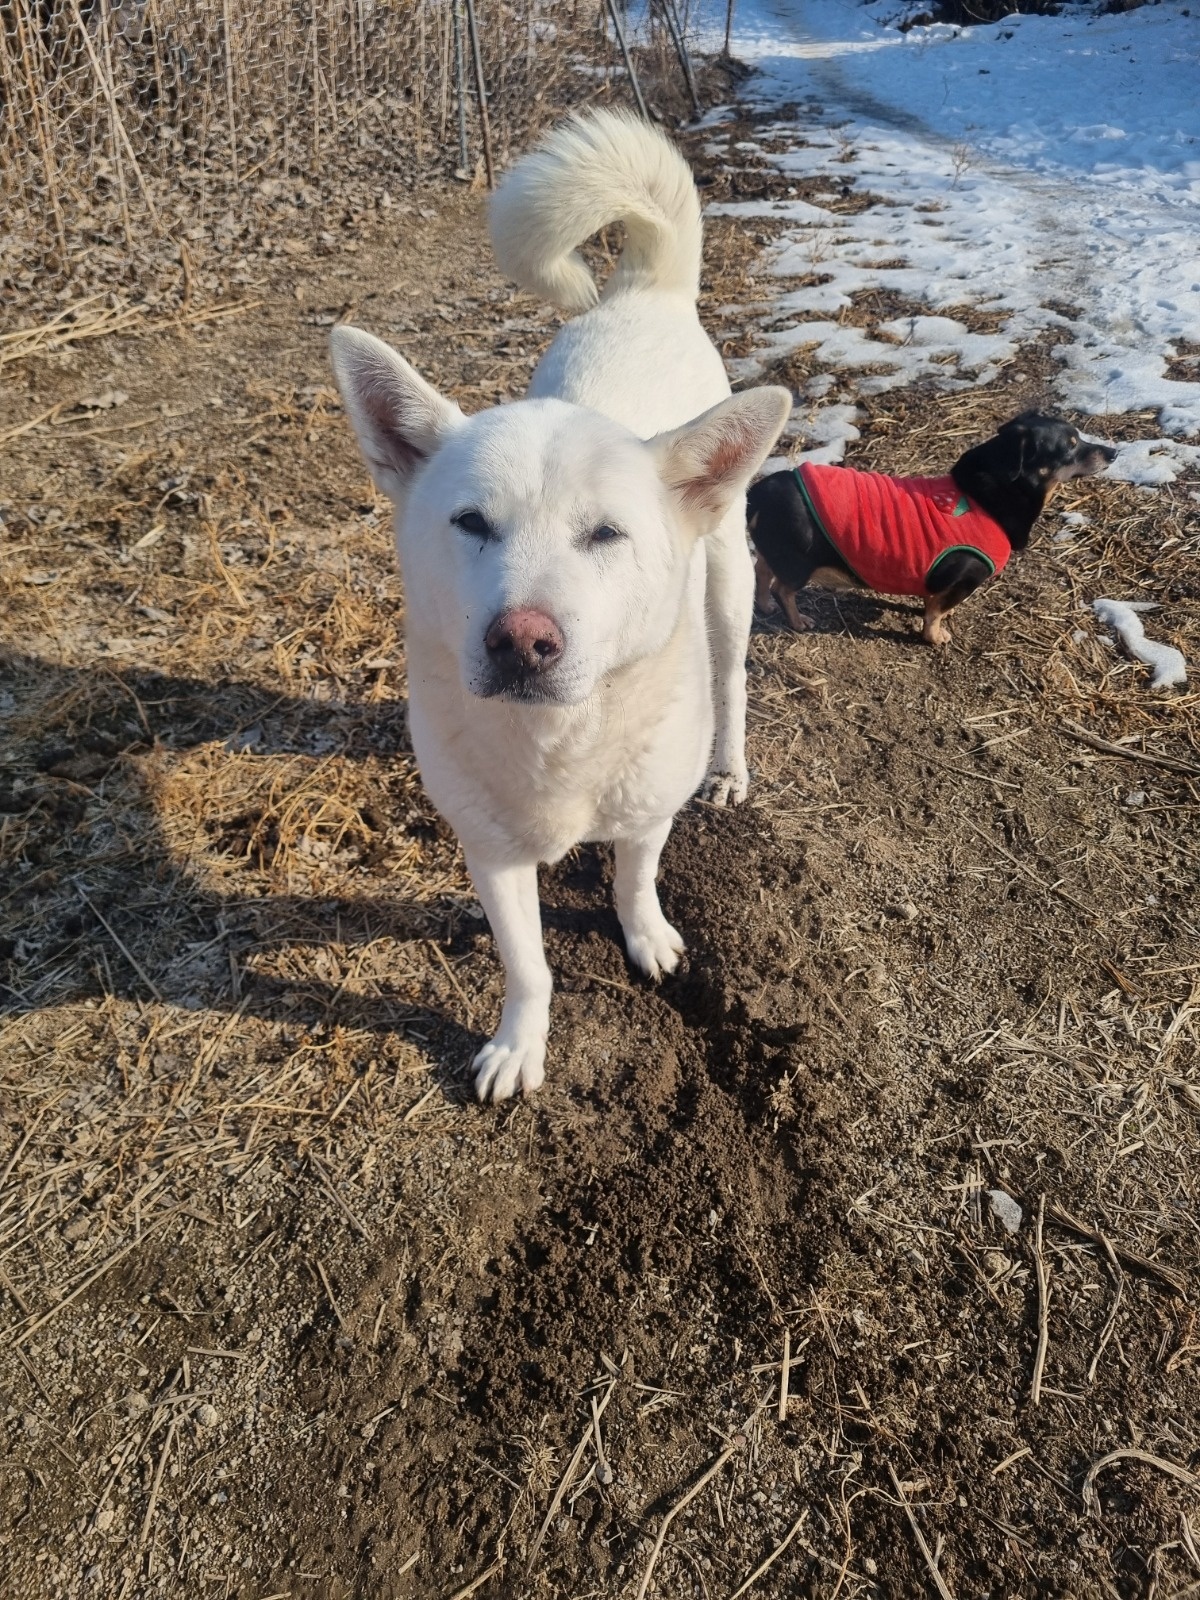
400, 420
708, 462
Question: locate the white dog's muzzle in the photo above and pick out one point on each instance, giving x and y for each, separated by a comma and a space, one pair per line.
523, 648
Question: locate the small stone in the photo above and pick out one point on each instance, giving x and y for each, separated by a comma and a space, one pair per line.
136, 1403
997, 1263
104, 1519
1135, 797
108, 400
1006, 1210
207, 1416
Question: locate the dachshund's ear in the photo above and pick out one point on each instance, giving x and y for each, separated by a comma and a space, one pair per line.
1014, 442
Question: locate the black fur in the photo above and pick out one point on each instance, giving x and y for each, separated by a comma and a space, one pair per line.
784, 533
1011, 474
1008, 477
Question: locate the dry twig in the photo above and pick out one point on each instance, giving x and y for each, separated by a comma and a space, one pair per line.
23, 1335
568, 1476
684, 1499
120, 944
785, 1373
1106, 1332
1027, 872
478, 1583
156, 1485
942, 1588
1092, 1500
773, 1557
1170, 763
1168, 1275
1043, 1283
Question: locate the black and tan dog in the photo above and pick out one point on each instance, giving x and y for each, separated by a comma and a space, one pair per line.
939, 538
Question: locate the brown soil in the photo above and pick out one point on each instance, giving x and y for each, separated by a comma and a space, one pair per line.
288, 1314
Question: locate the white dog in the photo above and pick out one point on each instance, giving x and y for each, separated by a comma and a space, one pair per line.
575, 564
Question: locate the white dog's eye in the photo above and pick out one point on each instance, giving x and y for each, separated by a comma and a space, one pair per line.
475, 523
605, 534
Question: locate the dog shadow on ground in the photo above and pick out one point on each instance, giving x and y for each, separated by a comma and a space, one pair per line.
104, 895
97, 901
860, 616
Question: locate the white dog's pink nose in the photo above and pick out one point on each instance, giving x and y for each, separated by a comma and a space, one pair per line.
524, 641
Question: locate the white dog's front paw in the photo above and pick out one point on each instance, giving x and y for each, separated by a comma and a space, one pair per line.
510, 1063
654, 947
726, 788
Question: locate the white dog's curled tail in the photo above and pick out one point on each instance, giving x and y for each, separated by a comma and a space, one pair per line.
597, 168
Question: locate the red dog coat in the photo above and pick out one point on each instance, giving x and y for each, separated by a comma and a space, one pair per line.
890, 531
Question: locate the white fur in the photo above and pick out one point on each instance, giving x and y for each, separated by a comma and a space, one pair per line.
624, 730
589, 172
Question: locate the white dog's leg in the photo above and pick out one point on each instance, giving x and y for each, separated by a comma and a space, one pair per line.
729, 607
515, 1059
652, 942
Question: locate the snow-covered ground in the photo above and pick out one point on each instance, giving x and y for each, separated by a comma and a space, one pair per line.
1040, 166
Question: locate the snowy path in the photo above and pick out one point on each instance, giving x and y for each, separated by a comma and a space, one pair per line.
1033, 167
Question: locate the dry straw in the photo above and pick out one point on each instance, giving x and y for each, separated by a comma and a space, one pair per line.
121, 119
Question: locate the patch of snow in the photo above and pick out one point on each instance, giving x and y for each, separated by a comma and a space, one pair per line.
1168, 667
824, 434
995, 184
1072, 522
819, 434
912, 347
785, 210
1152, 462
715, 116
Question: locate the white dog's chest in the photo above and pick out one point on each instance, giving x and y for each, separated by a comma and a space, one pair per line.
535, 786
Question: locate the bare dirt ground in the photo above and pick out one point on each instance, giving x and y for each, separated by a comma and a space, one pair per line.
287, 1314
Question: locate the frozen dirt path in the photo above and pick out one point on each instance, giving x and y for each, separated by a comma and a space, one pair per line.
1047, 168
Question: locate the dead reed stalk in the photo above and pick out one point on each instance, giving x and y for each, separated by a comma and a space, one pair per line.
176, 113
